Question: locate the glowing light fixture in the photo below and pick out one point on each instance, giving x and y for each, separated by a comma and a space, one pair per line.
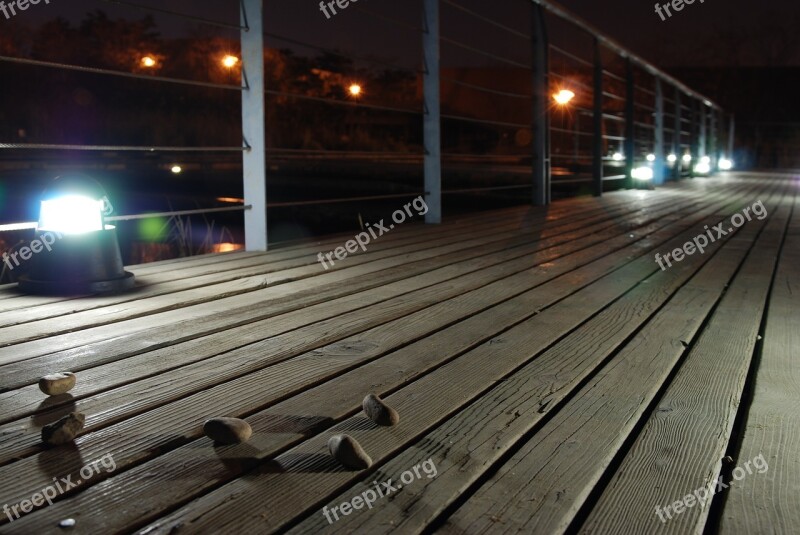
642, 173
176, 169
148, 61
71, 214
85, 259
563, 97
702, 168
355, 90
687, 158
705, 159
725, 164
230, 61
651, 157
672, 158
617, 157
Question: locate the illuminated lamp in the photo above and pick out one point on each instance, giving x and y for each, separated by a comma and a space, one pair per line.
82, 255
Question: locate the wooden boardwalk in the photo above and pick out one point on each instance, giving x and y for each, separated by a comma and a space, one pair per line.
550, 378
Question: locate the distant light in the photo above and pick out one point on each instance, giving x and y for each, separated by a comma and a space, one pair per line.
234, 200
725, 164
148, 61
702, 168
176, 169
642, 173
618, 157
355, 90
230, 61
672, 158
651, 157
705, 159
71, 214
563, 97
226, 247
687, 158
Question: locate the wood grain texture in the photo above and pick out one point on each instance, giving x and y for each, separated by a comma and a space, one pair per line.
683, 442
769, 502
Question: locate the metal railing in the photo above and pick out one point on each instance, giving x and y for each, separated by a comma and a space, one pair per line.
480, 104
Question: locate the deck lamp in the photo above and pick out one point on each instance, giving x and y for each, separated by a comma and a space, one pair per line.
78, 252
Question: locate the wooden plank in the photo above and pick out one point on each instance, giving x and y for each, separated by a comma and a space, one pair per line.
230, 312
274, 495
476, 438
161, 388
287, 419
769, 502
160, 272
215, 397
28, 398
251, 266
683, 442
547, 480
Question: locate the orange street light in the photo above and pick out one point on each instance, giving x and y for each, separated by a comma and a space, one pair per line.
355, 90
230, 61
148, 61
563, 97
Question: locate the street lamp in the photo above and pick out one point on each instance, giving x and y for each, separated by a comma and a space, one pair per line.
148, 62
229, 61
563, 97
86, 258
355, 90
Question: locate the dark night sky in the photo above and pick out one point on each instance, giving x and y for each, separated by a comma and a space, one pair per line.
712, 33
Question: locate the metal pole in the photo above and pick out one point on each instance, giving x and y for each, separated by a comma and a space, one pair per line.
597, 140
693, 143
731, 134
659, 165
703, 149
254, 159
630, 131
713, 141
677, 145
432, 118
541, 114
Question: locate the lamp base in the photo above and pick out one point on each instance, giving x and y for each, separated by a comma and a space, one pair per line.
65, 288
81, 264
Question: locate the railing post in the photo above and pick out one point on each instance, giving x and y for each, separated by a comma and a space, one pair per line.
731, 134
630, 130
254, 160
432, 114
677, 146
713, 150
703, 142
541, 113
597, 139
659, 165
693, 143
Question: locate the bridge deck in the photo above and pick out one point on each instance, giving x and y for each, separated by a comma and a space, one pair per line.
548, 374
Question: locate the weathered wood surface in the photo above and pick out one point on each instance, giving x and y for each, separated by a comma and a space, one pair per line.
521, 347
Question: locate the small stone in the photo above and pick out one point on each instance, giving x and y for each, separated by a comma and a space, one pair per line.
57, 383
727, 459
228, 430
379, 412
65, 430
67, 523
349, 452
